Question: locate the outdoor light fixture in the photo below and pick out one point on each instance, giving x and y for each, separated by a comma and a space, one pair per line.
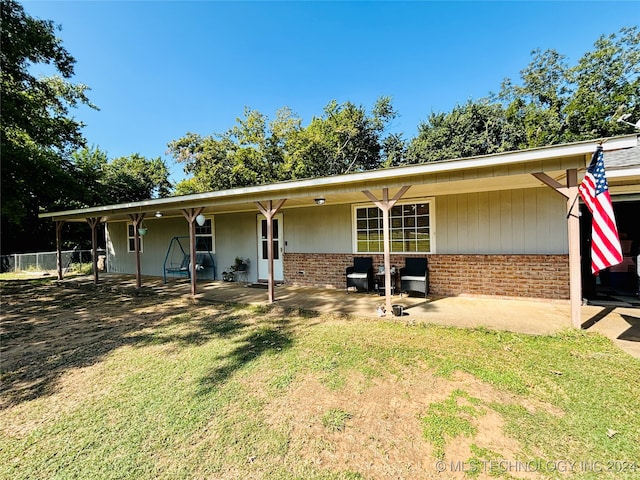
158, 214
200, 219
319, 201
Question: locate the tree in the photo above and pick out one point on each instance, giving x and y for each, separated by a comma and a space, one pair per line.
476, 128
345, 139
37, 133
124, 179
257, 151
250, 153
557, 103
607, 84
554, 103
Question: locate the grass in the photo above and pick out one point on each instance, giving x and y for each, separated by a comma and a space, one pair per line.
101, 385
335, 419
446, 420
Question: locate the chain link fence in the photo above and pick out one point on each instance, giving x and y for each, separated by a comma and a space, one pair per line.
45, 261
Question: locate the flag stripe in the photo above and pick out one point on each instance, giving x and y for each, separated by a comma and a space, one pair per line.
594, 190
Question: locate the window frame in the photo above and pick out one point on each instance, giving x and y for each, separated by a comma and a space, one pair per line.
430, 201
131, 235
209, 221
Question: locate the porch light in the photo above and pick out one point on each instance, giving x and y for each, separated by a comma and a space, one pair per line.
320, 201
200, 219
157, 214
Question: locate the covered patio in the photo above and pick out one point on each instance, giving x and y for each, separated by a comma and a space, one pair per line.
463, 187
535, 317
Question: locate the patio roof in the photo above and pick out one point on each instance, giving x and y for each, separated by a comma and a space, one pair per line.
476, 174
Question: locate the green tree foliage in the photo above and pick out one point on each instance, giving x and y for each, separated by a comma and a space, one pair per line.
36, 132
607, 83
476, 128
257, 151
344, 139
554, 103
250, 153
124, 179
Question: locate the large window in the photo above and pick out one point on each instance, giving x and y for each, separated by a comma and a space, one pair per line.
410, 228
204, 236
131, 243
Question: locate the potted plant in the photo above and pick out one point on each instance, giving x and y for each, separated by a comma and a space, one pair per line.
240, 265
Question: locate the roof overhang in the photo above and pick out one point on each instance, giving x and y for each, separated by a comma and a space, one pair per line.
510, 170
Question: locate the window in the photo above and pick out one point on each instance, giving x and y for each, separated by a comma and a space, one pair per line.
131, 245
204, 236
410, 228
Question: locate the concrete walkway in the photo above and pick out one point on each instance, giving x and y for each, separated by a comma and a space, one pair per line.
537, 317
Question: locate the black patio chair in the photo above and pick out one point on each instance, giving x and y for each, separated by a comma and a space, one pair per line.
360, 275
414, 276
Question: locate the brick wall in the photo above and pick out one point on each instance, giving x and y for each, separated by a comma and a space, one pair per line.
532, 276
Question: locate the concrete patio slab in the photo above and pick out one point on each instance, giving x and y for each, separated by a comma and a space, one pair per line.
536, 317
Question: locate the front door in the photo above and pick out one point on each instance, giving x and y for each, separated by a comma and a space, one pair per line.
278, 250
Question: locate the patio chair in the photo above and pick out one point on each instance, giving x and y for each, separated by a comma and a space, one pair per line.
414, 276
360, 275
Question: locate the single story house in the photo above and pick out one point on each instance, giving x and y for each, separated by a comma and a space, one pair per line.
504, 224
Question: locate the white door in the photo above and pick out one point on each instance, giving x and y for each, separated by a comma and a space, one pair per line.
278, 250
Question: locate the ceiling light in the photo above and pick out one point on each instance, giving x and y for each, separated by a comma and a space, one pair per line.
319, 201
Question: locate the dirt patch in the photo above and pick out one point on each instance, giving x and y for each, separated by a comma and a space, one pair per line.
383, 436
48, 330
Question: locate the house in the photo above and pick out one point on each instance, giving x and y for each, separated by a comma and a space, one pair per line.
504, 224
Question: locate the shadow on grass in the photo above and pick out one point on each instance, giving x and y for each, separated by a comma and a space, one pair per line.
249, 347
48, 329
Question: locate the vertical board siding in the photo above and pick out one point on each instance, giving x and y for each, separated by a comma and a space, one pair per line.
530, 221
319, 229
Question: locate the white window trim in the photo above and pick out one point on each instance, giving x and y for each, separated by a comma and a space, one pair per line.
213, 234
129, 238
409, 201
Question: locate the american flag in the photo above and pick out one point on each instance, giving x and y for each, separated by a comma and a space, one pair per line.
594, 190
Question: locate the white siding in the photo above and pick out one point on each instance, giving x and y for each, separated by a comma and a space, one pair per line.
530, 221
155, 246
237, 236
320, 229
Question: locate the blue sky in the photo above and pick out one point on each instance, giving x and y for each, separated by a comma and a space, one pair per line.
158, 70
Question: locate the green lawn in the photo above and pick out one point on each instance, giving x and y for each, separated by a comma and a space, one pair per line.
104, 385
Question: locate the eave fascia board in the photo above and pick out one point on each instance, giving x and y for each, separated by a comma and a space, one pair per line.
274, 190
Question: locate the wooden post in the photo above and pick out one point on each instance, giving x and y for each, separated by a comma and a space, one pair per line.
59, 225
190, 214
575, 272
386, 205
570, 192
93, 223
136, 219
269, 212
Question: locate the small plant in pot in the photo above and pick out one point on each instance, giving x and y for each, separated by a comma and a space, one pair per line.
240, 265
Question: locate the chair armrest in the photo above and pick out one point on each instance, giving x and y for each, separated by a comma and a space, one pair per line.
349, 270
